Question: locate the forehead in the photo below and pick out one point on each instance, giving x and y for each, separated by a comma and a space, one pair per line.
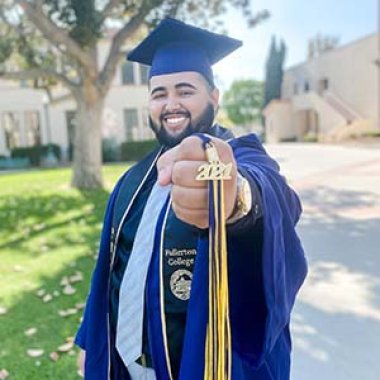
171, 80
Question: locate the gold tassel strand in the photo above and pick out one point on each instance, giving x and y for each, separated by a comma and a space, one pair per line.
218, 339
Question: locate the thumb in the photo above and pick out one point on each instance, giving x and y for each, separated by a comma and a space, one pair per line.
165, 166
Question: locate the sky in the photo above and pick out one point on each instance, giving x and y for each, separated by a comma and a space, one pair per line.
295, 21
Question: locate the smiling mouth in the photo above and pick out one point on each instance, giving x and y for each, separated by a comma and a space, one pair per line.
175, 121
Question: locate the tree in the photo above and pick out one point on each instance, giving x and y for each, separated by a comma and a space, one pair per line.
243, 101
274, 71
320, 44
56, 41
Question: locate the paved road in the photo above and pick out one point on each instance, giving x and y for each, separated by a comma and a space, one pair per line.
336, 320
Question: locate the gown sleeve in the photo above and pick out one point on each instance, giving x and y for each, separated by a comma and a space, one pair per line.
267, 264
97, 296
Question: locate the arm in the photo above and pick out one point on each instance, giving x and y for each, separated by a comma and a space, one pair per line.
266, 260
94, 322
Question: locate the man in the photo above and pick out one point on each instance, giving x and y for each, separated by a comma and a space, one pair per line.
147, 311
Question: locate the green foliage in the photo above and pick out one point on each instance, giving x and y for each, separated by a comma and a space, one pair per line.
7, 163
243, 101
311, 138
110, 150
320, 44
6, 48
41, 29
373, 134
136, 150
274, 71
80, 17
26, 47
204, 13
48, 231
35, 154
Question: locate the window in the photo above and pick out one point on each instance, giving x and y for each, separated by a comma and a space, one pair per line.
127, 71
295, 89
145, 117
307, 87
33, 128
131, 124
70, 124
11, 124
144, 72
323, 85
147, 133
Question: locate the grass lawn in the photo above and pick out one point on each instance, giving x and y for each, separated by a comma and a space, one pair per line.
49, 234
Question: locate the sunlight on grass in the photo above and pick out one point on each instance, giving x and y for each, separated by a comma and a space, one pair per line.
48, 243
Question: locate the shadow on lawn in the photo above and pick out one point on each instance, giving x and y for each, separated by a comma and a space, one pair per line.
27, 217
53, 330
79, 222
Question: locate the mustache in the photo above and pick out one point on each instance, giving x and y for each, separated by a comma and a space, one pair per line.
177, 113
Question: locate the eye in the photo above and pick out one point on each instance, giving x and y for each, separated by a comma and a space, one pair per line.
186, 93
158, 96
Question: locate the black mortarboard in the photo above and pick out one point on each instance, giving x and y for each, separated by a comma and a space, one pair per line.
174, 46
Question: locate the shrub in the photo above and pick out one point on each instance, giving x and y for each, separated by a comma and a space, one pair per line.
110, 150
35, 154
310, 138
288, 139
136, 150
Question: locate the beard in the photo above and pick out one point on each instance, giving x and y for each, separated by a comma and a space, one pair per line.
202, 124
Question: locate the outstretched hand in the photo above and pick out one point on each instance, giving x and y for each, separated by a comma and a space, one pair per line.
179, 166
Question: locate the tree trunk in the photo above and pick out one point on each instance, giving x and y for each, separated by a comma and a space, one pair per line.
87, 158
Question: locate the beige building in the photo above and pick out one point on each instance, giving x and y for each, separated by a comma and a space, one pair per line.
339, 90
27, 118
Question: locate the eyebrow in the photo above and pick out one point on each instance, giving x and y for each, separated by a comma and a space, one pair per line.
177, 86
185, 84
157, 89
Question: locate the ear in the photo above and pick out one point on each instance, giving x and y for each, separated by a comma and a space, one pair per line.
215, 98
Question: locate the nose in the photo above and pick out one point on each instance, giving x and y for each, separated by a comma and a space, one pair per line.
172, 104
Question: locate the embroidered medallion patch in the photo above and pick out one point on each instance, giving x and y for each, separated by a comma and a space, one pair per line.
180, 284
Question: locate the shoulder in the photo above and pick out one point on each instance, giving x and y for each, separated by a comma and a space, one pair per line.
247, 141
247, 146
248, 150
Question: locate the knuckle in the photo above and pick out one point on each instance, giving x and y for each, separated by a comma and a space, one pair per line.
225, 149
190, 147
186, 144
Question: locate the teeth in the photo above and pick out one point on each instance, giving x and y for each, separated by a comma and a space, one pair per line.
175, 120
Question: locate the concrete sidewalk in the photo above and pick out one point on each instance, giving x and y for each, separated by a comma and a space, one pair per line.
336, 320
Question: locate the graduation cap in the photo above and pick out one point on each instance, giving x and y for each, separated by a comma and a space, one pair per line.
174, 46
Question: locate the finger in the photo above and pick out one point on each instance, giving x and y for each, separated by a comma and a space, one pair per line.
224, 150
191, 149
198, 218
165, 165
184, 174
190, 198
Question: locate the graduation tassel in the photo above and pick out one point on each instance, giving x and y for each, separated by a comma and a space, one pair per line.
218, 338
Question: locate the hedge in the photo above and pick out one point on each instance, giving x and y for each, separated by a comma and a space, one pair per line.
35, 154
136, 150
7, 163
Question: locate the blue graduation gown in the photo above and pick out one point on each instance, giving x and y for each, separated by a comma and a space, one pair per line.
262, 288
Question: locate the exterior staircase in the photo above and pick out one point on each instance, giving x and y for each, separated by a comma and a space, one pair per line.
340, 106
